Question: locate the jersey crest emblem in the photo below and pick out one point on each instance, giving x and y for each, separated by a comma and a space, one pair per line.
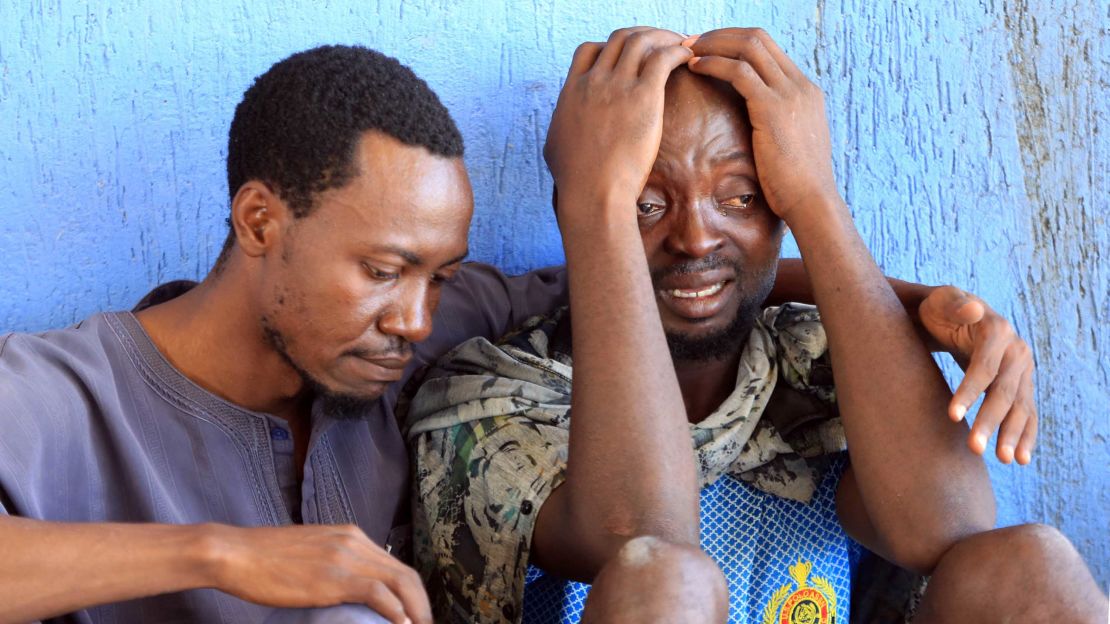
811, 602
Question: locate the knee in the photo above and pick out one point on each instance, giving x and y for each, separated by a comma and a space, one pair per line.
651, 579
1031, 570
1038, 546
650, 557
1039, 542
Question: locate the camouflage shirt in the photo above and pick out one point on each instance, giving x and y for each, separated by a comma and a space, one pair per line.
489, 430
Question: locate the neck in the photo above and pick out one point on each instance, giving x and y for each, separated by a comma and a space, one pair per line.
212, 335
706, 384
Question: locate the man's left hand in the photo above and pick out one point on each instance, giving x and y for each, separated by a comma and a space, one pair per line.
996, 361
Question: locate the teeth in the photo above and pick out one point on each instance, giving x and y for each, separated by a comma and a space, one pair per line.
694, 294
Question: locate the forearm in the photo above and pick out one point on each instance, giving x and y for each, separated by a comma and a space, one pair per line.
630, 465
921, 489
53, 568
792, 283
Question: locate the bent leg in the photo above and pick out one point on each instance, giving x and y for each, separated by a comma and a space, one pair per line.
651, 580
1028, 573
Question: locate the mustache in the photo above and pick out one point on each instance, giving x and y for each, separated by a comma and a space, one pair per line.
397, 348
699, 265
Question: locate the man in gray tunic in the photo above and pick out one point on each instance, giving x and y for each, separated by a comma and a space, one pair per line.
230, 447
228, 452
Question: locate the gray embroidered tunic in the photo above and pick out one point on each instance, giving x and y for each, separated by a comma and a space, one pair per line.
95, 425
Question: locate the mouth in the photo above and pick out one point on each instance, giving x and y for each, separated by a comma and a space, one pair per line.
691, 293
695, 301
386, 369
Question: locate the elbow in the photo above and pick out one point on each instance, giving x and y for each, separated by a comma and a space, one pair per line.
604, 541
923, 545
617, 531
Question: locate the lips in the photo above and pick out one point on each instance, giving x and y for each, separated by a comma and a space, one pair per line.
690, 293
695, 296
381, 369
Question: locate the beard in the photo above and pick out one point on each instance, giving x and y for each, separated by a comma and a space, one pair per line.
334, 404
752, 287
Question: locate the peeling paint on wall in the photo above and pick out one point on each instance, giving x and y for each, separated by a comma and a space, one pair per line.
969, 140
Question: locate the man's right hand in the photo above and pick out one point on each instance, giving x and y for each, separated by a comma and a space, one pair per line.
316, 566
605, 131
53, 568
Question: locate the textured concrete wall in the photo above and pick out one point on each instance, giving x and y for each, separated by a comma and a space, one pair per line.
970, 140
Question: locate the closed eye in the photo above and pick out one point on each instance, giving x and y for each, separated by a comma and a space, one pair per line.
379, 274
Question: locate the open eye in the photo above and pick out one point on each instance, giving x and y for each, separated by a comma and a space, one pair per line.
738, 202
647, 209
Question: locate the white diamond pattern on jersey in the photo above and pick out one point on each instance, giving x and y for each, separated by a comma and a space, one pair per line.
756, 538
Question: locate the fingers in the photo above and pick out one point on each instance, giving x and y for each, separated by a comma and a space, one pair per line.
740, 74
661, 63
785, 63
379, 598
994, 335
584, 58
380, 581
1001, 401
642, 45
1017, 420
407, 585
1024, 452
954, 306
744, 45
614, 47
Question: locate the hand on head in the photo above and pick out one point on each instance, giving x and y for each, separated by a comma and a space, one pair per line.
605, 131
790, 134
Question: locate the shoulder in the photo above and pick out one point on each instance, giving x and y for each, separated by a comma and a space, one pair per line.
480, 300
522, 373
52, 370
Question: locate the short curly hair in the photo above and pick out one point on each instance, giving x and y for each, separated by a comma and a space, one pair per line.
299, 123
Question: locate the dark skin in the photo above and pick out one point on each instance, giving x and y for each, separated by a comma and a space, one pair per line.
690, 168
345, 289
703, 198
348, 288
888, 389
912, 493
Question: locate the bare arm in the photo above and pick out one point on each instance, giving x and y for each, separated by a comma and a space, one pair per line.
919, 488
792, 283
52, 568
997, 362
626, 403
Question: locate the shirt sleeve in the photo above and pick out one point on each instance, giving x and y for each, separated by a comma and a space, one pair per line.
480, 485
483, 301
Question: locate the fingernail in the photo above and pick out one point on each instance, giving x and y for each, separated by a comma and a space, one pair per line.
693, 60
960, 412
1023, 457
689, 41
980, 442
1007, 454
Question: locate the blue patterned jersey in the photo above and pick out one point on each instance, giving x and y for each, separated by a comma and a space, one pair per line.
786, 562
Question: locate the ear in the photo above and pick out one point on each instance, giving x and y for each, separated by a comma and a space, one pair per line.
258, 217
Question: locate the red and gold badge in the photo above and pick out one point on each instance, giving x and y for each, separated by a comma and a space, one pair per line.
808, 604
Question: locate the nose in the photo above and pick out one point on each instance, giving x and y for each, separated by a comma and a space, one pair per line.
694, 232
409, 316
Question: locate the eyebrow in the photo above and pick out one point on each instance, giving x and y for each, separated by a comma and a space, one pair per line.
732, 156
416, 260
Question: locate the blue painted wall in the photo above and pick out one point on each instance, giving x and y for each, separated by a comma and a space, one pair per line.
970, 141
